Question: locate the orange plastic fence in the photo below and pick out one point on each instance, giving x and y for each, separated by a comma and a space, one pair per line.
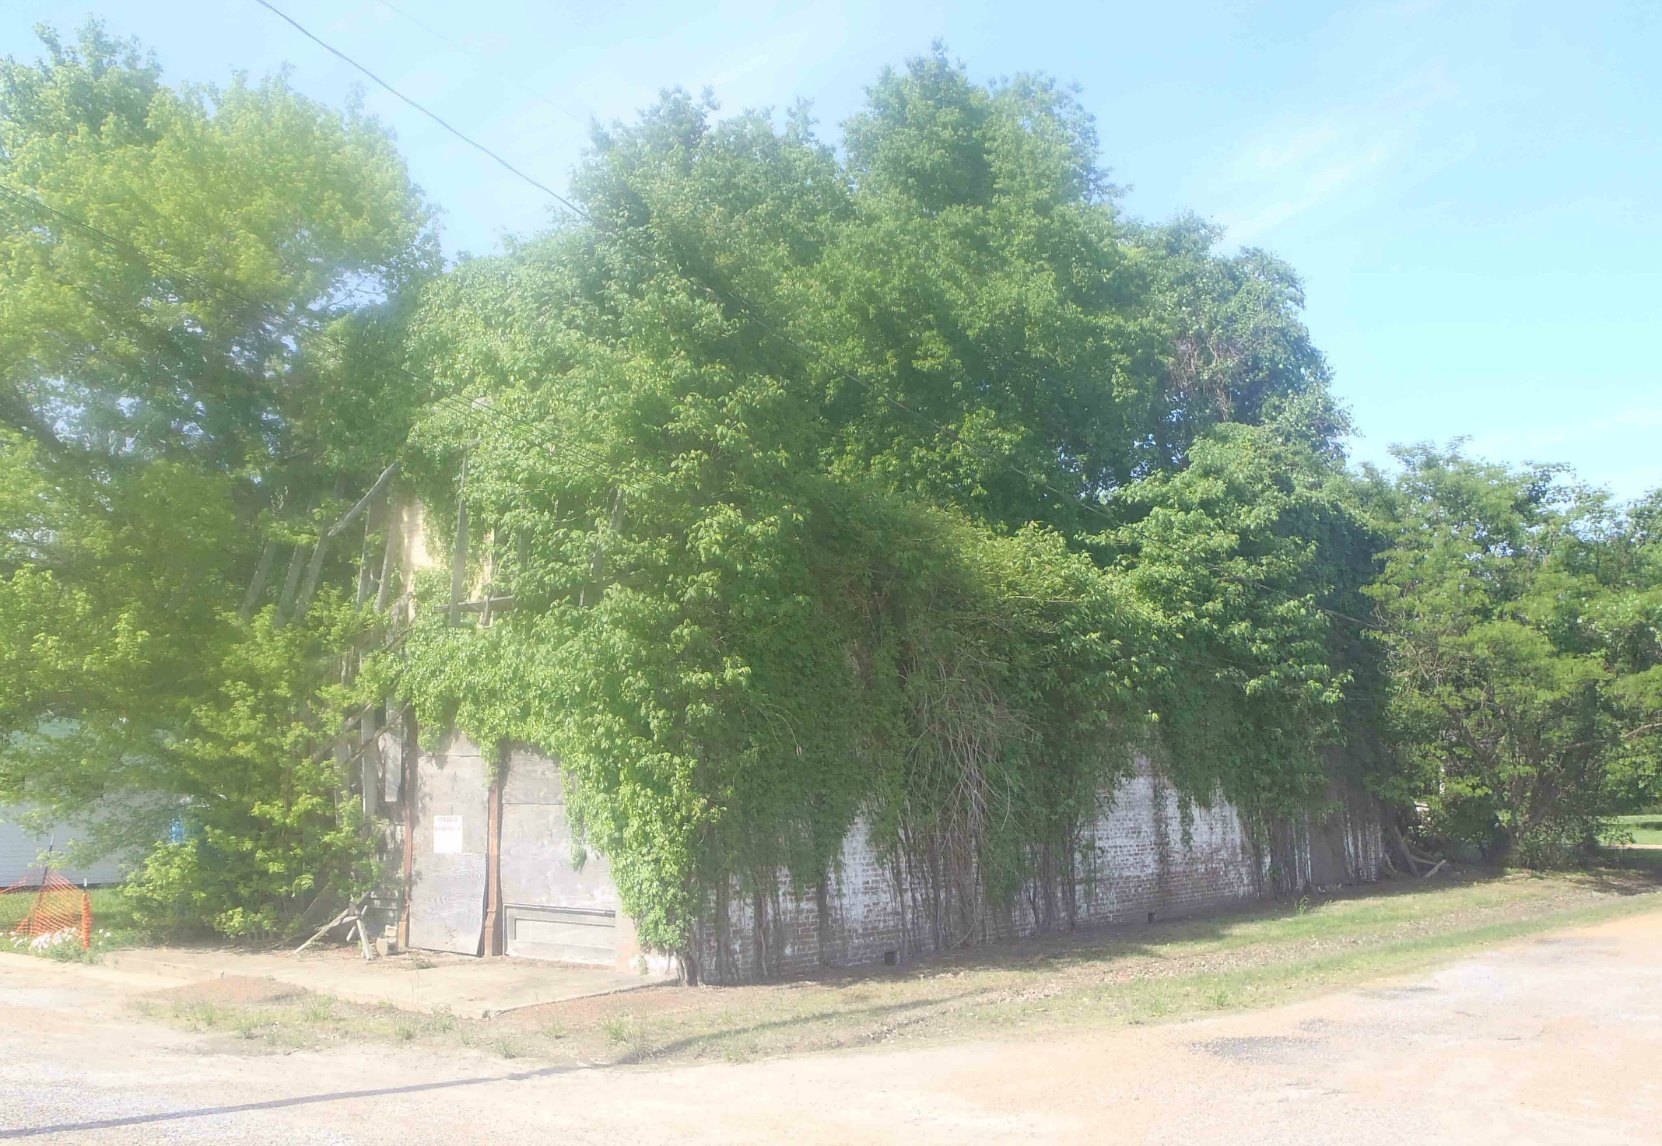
44, 912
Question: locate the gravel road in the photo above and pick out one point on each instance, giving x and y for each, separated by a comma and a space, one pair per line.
1553, 1040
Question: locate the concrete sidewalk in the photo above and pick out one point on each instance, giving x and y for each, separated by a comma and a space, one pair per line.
416, 981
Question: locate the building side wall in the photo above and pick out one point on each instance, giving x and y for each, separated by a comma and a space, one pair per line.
1144, 856
20, 851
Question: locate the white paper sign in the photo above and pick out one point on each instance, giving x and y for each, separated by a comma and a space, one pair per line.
447, 835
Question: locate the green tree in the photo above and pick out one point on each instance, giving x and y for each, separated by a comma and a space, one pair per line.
1525, 630
1254, 557
201, 288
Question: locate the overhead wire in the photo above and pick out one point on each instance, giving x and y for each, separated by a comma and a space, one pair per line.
509, 80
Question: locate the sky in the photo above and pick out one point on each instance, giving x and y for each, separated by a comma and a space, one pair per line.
1472, 191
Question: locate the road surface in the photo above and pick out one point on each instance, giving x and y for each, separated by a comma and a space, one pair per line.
1552, 1040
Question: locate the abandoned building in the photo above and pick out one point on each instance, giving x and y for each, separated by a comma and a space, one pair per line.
484, 864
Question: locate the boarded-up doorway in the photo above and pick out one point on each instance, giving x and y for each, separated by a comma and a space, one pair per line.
553, 909
451, 823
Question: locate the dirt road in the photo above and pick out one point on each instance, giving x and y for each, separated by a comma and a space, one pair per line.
1553, 1040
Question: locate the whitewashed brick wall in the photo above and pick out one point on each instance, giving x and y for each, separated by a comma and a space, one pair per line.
1141, 858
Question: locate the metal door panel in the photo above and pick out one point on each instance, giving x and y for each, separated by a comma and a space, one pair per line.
565, 935
447, 890
555, 908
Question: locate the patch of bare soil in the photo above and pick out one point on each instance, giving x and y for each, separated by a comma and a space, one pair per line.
228, 990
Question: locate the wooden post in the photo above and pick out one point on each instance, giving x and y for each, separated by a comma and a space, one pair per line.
389, 558
411, 763
489, 576
369, 766
315, 570
597, 561
262, 573
493, 859
363, 564
458, 556
291, 583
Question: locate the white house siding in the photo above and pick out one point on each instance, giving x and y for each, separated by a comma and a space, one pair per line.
20, 851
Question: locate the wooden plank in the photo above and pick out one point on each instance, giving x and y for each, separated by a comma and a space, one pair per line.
364, 574
362, 503
291, 583
262, 573
493, 864
389, 557
409, 761
458, 556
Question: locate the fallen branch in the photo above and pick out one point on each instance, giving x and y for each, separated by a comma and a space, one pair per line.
1407, 852
346, 914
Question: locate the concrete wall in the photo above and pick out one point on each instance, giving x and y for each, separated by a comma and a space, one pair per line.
1141, 858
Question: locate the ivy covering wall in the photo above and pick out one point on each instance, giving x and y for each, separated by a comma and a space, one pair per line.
904, 477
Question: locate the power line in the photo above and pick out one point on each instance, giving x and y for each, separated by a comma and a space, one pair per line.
510, 81
432, 115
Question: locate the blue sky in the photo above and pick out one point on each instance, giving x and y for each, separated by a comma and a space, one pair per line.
1471, 190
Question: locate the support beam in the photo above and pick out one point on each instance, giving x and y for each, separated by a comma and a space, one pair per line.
389, 556
362, 503
291, 583
262, 573
493, 859
409, 759
458, 556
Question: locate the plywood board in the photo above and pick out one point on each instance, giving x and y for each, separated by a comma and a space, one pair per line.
447, 886
555, 908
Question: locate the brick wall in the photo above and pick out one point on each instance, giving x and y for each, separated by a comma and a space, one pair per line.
1144, 855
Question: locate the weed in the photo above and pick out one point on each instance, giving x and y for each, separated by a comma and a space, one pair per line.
627, 1031
201, 1015
619, 1028
317, 1008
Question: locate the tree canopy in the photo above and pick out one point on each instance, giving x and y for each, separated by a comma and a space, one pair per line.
1522, 613
905, 479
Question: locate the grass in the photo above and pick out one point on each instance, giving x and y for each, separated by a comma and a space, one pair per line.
1640, 829
1089, 979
